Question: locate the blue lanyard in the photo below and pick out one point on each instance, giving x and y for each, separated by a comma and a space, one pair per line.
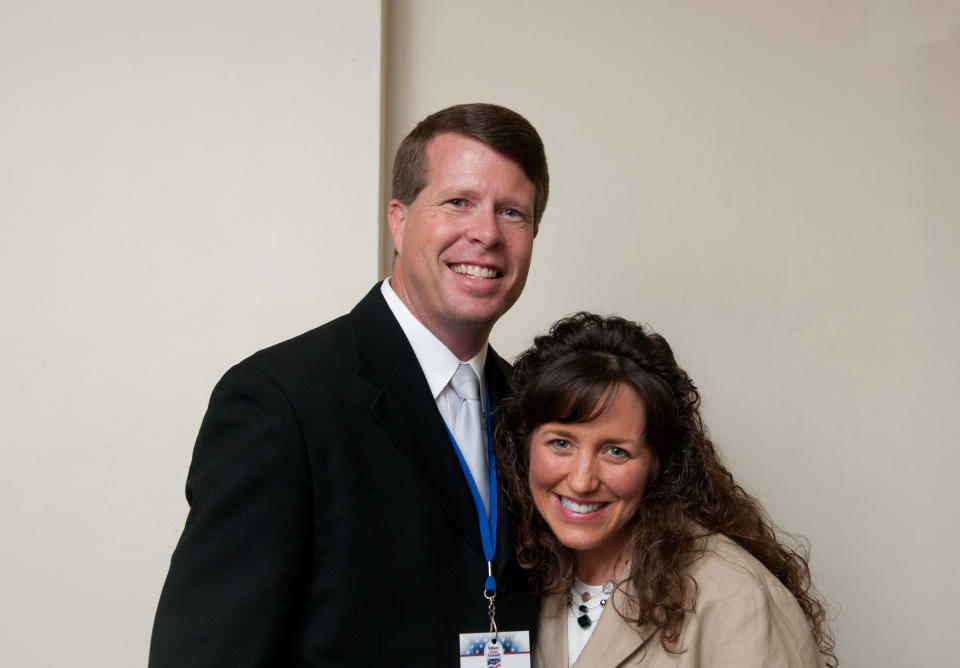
488, 525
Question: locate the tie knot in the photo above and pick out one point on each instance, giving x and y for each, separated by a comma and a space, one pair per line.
465, 383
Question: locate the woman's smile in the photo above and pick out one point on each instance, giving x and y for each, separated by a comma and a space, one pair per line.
581, 510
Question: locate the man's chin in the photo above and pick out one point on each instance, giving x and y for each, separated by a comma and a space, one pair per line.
474, 312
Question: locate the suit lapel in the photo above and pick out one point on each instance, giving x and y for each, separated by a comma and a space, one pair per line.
406, 410
496, 371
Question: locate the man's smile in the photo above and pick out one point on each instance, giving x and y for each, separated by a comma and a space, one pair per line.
475, 271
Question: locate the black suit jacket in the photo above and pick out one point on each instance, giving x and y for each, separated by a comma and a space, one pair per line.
330, 523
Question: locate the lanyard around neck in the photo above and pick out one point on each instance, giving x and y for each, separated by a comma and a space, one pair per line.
487, 523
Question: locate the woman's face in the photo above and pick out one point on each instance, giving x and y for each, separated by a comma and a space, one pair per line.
587, 478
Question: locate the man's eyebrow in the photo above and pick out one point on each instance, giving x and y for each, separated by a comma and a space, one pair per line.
458, 191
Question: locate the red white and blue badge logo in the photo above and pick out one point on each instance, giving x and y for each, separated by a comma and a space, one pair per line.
493, 654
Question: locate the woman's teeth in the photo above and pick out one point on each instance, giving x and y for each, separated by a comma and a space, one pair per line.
581, 508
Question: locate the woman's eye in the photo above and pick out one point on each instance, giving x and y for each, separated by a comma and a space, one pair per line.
619, 453
560, 444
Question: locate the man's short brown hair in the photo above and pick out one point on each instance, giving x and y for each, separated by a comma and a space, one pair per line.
503, 130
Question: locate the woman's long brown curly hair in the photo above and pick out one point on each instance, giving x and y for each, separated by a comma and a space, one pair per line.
567, 376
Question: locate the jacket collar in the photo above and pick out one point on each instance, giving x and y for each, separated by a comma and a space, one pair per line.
406, 409
613, 640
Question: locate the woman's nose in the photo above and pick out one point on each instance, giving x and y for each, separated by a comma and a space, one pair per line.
582, 478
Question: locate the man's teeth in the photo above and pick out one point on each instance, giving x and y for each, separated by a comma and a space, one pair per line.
575, 507
473, 271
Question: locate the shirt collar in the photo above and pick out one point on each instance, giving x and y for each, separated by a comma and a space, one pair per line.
436, 360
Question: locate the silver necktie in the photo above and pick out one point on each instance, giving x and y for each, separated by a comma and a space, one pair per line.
468, 428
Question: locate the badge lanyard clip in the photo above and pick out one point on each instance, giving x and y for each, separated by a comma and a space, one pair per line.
492, 606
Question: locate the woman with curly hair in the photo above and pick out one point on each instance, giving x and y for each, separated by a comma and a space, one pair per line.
622, 502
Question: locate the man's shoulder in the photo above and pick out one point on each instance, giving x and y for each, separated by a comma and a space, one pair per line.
301, 349
321, 351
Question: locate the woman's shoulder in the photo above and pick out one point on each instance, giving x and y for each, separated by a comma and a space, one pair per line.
722, 558
736, 593
723, 569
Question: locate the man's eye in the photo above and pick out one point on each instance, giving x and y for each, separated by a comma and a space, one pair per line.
457, 201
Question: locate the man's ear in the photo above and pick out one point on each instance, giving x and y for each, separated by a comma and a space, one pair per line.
396, 217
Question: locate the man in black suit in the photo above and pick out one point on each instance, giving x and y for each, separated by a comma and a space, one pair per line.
331, 521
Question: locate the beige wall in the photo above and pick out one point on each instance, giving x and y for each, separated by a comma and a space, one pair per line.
181, 183
772, 186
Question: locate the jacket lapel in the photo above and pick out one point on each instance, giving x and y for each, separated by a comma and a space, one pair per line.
496, 371
551, 648
614, 640
405, 408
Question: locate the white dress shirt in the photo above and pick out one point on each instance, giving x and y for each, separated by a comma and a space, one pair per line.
436, 360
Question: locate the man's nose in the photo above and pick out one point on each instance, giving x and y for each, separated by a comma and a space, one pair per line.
483, 226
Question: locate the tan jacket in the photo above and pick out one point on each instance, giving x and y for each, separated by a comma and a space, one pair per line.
744, 618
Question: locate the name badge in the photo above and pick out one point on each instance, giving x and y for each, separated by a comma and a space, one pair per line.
506, 649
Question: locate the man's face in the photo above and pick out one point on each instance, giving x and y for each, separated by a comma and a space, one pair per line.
464, 244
